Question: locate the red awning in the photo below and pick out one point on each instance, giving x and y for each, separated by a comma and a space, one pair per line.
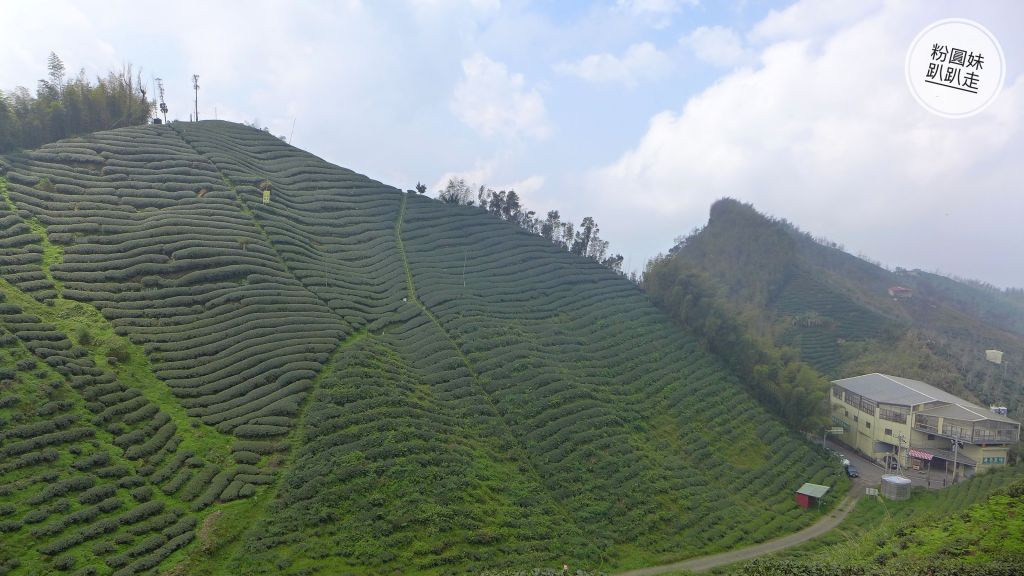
920, 454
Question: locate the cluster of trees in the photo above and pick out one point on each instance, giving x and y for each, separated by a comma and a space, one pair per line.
63, 107
583, 241
775, 375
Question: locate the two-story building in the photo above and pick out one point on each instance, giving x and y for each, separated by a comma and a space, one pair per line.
890, 418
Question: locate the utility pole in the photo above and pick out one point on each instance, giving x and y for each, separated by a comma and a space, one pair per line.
195, 86
837, 430
956, 445
899, 449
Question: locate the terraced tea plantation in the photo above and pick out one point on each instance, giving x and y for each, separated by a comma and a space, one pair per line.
821, 318
222, 355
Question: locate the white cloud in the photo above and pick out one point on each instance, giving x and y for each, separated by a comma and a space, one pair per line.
474, 177
654, 7
526, 186
658, 12
484, 175
717, 45
453, 15
71, 35
830, 137
495, 102
640, 62
486, 5
809, 19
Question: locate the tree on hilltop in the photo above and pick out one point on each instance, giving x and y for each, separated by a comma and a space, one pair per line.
63, 107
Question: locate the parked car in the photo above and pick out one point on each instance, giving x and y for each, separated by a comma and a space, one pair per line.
851, 471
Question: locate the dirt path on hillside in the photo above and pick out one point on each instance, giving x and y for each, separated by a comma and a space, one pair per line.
702, 563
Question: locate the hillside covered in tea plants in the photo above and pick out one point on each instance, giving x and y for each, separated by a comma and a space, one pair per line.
223, 355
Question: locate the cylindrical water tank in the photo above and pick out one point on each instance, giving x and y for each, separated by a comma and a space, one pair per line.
895, 487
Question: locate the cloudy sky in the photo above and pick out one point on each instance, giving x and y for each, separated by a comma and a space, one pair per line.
638, 112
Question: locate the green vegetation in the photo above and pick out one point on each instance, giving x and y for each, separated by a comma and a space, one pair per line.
790, 388
976, 527
796, 291
64, 107
77, 448
346, 378
583, 241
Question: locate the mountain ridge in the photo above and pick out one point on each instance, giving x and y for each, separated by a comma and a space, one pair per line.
836, 308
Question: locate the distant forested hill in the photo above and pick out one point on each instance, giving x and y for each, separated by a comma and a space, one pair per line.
837, 310
223, 355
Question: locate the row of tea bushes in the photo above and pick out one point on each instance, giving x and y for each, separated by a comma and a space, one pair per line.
81, 459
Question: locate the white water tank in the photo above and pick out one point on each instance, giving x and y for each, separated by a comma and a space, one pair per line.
895, 487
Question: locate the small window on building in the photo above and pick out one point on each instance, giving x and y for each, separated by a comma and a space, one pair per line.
846, 412
931, 436
888, 431
855, 418
867, 424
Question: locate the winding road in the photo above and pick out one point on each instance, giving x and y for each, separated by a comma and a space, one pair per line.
702, 563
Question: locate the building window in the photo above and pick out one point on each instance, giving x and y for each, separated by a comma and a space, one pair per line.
893, 413
931, 436
852, 399
888, 431
846, 412
855, 418
867, 424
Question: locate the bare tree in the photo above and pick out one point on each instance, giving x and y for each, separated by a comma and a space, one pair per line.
456, 192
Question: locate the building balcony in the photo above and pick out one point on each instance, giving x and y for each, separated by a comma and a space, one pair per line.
978, 437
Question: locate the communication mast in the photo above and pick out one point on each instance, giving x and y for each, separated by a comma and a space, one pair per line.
163, 105
195, 86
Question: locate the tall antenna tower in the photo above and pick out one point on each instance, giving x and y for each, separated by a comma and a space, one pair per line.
195, 86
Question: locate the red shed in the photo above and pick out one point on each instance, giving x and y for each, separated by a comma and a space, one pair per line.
809, 494
901, 292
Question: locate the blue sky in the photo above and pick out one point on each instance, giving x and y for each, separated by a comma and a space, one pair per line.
637, 112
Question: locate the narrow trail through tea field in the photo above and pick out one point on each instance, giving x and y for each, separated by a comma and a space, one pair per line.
702, 563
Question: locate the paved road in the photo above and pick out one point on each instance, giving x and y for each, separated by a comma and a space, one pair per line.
871, 473
702, 563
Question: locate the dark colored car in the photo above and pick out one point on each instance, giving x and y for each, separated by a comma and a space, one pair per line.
851, 471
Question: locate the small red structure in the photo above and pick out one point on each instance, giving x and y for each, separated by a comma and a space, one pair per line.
901, 292
810, 494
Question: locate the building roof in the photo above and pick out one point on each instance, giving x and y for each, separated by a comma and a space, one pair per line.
948, 455
961, 412
813, 490
907, 392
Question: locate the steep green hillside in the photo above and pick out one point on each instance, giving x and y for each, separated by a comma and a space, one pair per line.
225, 355
836, 309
